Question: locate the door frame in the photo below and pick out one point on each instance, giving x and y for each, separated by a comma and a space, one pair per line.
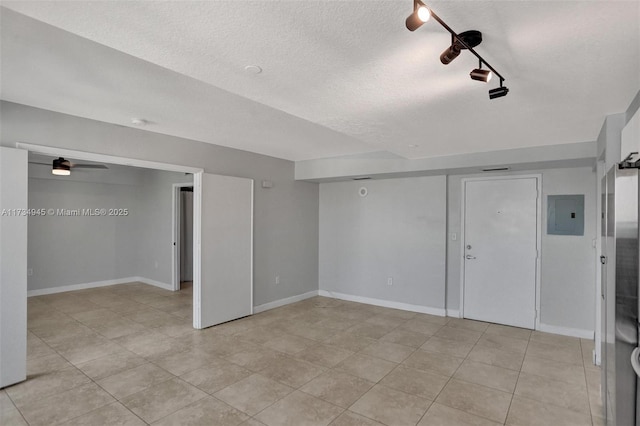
126, 161
600, 210
538, 177
176, 234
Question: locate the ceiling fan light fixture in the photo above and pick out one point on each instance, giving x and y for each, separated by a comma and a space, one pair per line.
61, 167
420, 15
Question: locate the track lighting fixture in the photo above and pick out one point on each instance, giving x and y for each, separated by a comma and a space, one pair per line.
481, 75
450, 54
465, 40
420, 15
498, 92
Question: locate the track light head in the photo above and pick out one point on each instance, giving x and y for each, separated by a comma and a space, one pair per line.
481, 75
424, 13
498, 92
464, 40
450, 54
420, 15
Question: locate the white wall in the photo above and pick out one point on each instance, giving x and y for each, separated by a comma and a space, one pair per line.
568, 262
397, 230
286, 215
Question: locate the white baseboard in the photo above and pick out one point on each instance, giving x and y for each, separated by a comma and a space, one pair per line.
566, 331
95, 284
285, 301
155, 283
454, 313
384, 303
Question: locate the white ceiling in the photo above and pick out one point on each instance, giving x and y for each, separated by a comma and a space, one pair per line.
340, 77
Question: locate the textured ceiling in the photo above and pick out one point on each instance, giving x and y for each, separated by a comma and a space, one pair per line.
340, 77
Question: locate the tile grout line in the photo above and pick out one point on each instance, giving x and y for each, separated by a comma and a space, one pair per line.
563, 381
448, 380
371, 314
16, 407
181, 408
513, 394
67, 360
452, 377
586, 382
116, 400
331, 368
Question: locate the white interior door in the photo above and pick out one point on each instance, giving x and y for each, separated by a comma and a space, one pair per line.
226, 243
500, 251
13, 266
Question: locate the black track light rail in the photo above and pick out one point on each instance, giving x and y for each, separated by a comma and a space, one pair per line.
456, 37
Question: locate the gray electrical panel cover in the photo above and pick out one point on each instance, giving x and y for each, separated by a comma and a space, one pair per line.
565, 215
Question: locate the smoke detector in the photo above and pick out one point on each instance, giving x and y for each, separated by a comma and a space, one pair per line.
139, 122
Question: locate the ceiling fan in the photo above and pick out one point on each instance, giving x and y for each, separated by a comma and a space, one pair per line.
63, 167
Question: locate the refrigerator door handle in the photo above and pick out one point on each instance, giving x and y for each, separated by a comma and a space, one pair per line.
635, 363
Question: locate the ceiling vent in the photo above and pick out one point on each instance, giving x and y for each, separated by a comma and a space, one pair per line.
496, 169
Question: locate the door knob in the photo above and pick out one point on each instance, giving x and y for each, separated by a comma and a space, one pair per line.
469, 257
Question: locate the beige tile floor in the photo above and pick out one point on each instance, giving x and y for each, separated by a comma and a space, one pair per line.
127, 355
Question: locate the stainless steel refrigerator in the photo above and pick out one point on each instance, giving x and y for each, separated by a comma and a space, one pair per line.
620, 295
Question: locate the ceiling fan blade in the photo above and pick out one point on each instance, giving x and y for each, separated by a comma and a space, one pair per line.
89, 166
42, 164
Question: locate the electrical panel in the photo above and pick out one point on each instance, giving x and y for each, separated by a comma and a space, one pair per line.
565, 215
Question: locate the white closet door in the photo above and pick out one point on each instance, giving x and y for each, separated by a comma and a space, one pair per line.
13, 266
226, 242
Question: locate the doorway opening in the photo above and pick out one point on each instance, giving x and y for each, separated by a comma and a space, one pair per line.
225, 236
182, 236
196, 184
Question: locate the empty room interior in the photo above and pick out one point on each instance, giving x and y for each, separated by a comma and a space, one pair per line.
317, 212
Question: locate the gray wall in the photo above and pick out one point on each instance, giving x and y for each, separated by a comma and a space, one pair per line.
286, 215
568, 262
609, 140
13, 263
384, 165
397, 230
633, 107
70, 250
154, 224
